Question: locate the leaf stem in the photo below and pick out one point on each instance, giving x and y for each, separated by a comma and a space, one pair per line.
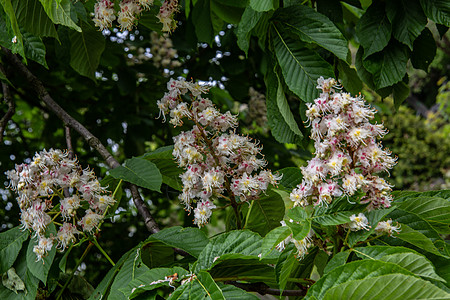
94, 240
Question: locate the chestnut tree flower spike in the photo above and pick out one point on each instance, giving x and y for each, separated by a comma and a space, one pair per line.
218, 162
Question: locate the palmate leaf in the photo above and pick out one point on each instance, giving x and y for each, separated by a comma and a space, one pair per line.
389, 66
407, 19
387, 287
61, 12
32, 17
273, 238
263, 5
265, 213
239, 242
313, 27
434, 210
281, 130
350, 272
248, 21
34, 48
140, 172
437, 10
404, 257
191, 240
291, 177
301, 67
10, 244
349, 78
85, 50
374, 29
168, 168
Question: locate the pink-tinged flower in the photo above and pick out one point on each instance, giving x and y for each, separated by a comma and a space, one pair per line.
104, 14
66, 235
90, 221
203, 212
358, 222
387, 227
166, 15
43, 247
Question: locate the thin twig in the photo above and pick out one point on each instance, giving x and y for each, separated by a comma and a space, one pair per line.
92, 140
264, 289
11, 108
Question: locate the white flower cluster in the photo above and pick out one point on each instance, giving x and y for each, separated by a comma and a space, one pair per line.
347, 153
130, 10
46, 178
217, 160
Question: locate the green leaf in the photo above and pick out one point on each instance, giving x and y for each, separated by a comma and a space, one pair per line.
349, 78
374, 29
437, 10
297, 214
168, 168
231, 292
265, 213
387, 287
434, 210
34, 48
365, 75
229, 14
31, 282
273, 238
12, 27
140, 172
334, 218
41, 268
150, 20
277, 123
33, 18
10, 244
242, 242
61, 13
350, 272
156, 254
234, 3
389, 66
404, 257
191, 240
313, 27
248, 21
338, 260
201, 17
209, 285
152, 279
291, 177
263, 5
407, 19
417, 238
299, 229
424, 50
415, 263
132, 268
285, 268
85, 50
301, 66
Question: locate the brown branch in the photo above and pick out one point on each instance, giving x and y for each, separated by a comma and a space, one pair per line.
264, 289
93, 141
69, 142
11, 107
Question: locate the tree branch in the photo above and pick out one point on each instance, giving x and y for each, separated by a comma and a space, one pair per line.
11, 107
264, 289
69, 121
